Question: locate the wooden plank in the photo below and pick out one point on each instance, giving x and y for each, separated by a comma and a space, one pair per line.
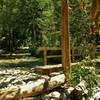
45, 57
41, 48
56, 68
65, 39
75, 52
54, 56
53, 48
45, 50
49, 48
46, 70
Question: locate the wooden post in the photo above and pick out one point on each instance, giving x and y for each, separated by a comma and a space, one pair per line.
65, 39
45, 56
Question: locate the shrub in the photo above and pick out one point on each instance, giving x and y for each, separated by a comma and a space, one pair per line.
84, 71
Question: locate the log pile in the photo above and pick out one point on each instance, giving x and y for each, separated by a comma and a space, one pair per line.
27, 85
32, 88
44, 89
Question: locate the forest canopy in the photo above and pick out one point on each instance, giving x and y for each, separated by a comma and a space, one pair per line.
35, 23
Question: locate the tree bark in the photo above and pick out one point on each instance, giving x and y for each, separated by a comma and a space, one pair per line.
41, 85
31, 88
65, 39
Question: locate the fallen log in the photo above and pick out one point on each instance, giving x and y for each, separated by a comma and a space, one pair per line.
32, 88
41, 85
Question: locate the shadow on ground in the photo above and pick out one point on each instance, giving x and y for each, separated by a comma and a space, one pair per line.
24, 62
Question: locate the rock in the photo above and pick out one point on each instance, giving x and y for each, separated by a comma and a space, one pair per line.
69, 90
98, 80
6, 81
90, 98
55, 95
55, 73
97, 96
78, 92
76, 95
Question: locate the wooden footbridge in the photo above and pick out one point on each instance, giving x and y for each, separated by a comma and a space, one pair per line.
65, 40
75, 53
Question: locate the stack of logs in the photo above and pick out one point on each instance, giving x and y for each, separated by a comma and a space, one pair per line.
33, 89
37, 90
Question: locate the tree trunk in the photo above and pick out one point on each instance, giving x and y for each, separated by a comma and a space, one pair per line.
65, 39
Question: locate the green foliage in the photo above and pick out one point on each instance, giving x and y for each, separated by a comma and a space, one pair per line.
35, 52
79, 23
84, 71
19, 22
38, 23
33, 22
